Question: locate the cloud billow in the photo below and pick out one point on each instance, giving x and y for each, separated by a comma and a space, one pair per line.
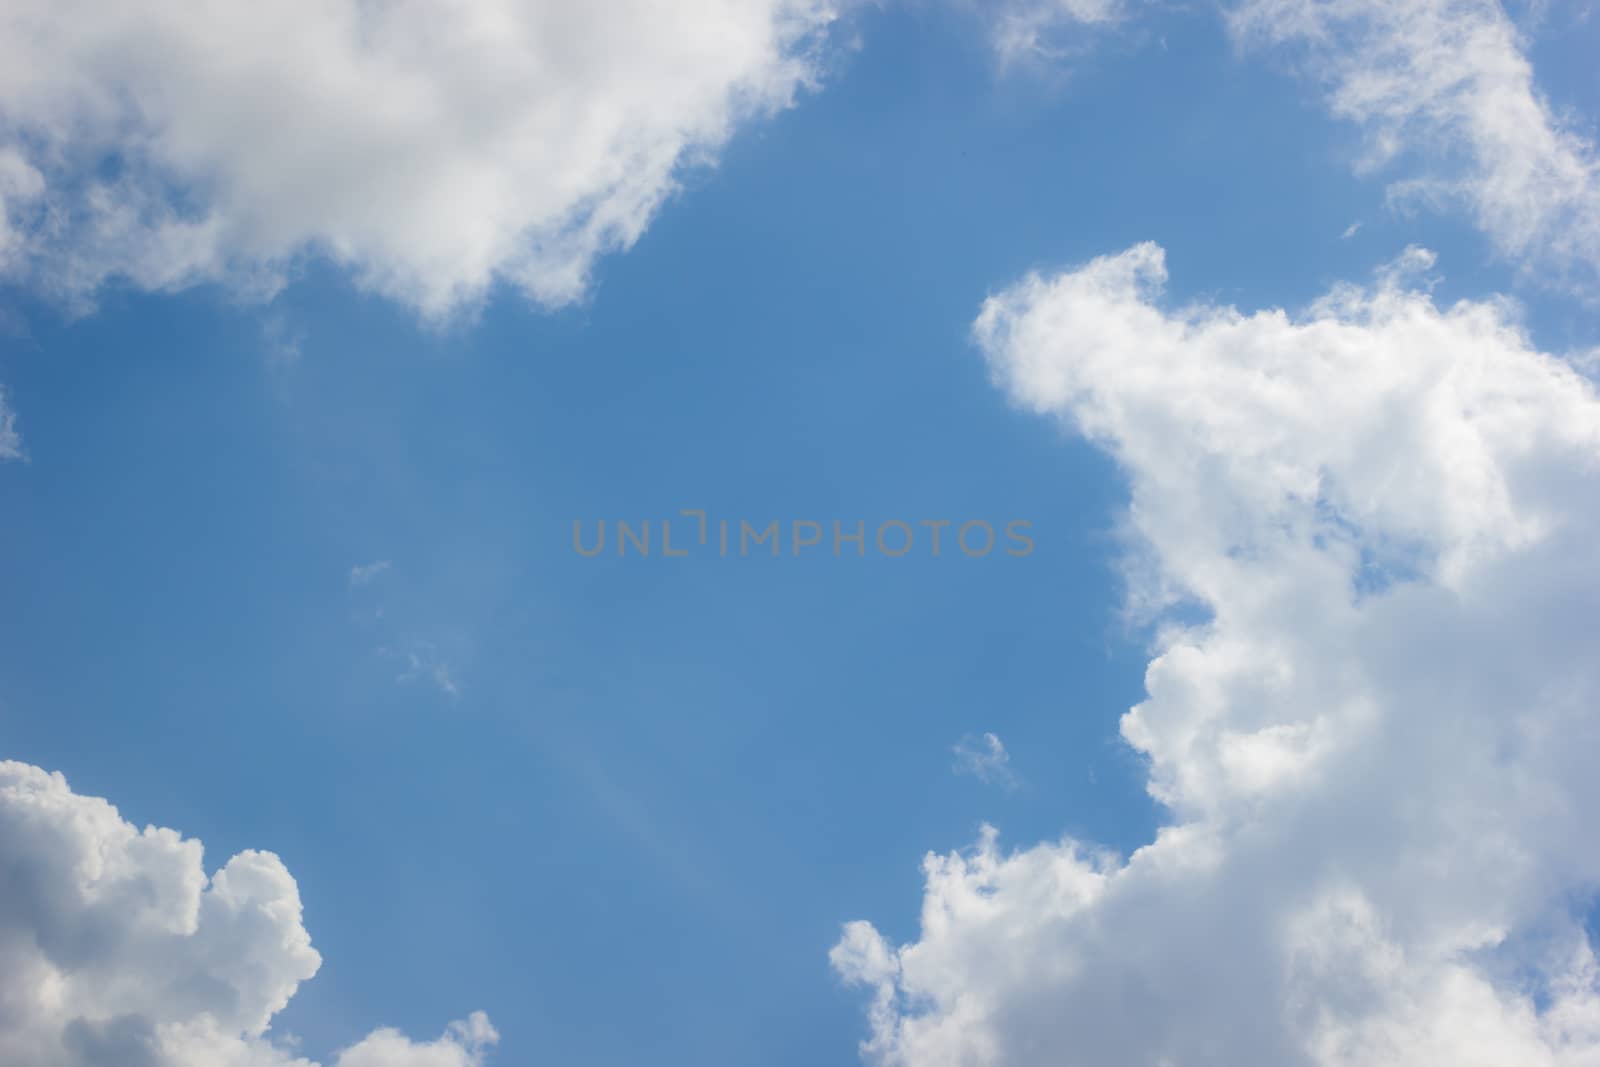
431, 149
1375, 749
117, 950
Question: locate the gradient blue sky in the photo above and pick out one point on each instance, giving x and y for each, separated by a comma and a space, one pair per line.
631, 822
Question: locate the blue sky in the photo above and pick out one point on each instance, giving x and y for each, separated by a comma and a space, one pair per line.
293, 572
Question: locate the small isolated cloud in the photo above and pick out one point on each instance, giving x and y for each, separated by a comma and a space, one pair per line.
281, 340
432, 150
1410, 267
1351, 230
985, 759
420, 660
1047, 29
424, 664
1443, 88
1370, 714
10, 436
118, 950
363, 573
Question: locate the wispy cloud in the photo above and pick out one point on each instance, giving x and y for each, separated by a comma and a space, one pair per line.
399, 635
423, 663
10, 436
986, 759
1048, 29
363, 573
1443, 89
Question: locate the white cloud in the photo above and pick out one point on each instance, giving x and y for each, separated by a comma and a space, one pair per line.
463, 1045
1376, 751
986, 759
10, 436
1444, 86
363, 573
423, 663
1044, 29
116, 949
432, 148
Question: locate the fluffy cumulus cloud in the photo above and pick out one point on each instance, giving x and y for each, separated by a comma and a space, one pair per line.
431, 147
1443, 86
1369, 534
117, 950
